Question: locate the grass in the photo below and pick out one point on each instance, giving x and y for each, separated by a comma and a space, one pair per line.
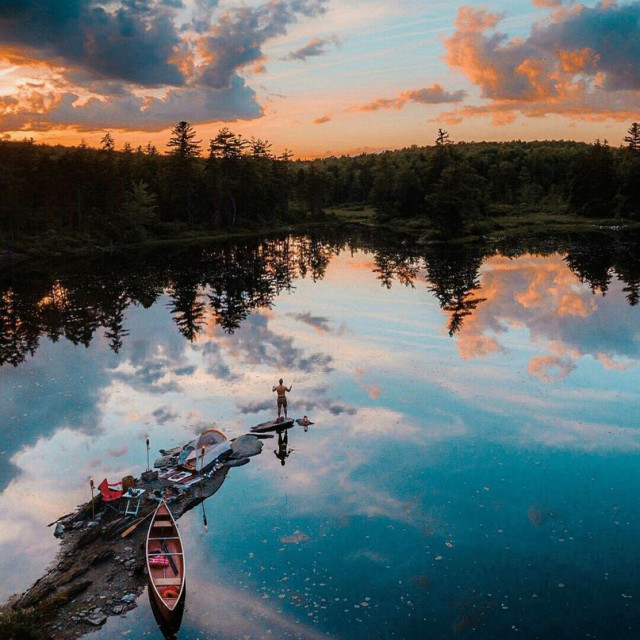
20, 624
501, 221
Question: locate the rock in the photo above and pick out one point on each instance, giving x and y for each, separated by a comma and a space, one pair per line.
103, 556
129, 598
97, 619
235, 462
245, 446
59, 530
117, 609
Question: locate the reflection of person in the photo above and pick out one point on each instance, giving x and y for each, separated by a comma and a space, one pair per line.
304, 422
282, 452
280, 389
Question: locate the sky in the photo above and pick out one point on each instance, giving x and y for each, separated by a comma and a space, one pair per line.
319, 77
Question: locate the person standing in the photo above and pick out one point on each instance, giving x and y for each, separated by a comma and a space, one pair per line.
281, 390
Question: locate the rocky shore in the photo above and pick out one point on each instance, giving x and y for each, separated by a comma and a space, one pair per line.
100, 568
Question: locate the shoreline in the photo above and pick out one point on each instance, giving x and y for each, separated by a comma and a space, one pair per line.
501, 223
96, 573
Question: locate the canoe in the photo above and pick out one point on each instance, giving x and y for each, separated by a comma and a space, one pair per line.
273, 425
165, 561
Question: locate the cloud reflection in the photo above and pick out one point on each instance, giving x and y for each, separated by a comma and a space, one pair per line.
561, 314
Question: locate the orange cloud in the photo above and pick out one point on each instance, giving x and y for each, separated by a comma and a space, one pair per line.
547, 4
572, 304
568, 65
478, 346
578, 60
435, 94
322, 120
609, 363
550, 368
525, 292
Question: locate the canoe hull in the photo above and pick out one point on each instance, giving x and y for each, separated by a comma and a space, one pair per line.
165, 562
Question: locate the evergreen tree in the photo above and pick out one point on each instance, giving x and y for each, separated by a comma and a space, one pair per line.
182, 141
633, 139
594, 181
107, 143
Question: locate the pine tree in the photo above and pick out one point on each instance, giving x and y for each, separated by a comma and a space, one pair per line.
182, 141
633, 139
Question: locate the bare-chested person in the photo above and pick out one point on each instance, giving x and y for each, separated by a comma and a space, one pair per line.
282, 398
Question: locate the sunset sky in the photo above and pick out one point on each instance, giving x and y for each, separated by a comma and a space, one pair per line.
319, 77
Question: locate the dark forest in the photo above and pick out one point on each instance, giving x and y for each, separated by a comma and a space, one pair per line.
79, 196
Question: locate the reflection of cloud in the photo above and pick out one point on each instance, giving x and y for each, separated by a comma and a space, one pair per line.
245, 616
544, 296
585, 436
295, 538
118, 452
372, 389
216, 364
477, 346
255, 342
151, 377
339, 409
69, 384
369, 554
609, 363
256, 406
321, 324
164, 415
550, 368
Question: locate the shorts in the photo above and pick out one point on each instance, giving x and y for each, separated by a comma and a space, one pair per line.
282, 401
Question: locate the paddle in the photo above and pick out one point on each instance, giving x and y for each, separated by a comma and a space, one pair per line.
165, 548
126, 532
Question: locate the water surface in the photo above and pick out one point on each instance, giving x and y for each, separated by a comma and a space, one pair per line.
473, 469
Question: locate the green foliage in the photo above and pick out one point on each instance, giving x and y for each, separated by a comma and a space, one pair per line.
20, 624
633, 139
138, 213
594, 185
109, 196
182, 143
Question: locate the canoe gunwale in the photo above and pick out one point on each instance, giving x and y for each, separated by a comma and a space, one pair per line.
165, 604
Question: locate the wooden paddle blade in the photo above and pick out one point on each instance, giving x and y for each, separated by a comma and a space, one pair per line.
126, 532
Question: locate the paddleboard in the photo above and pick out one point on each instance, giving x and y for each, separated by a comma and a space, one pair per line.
273, 425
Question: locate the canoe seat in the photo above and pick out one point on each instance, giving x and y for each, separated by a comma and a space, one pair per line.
163, 523
166, 582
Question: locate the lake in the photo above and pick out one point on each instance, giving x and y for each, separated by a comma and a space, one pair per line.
473, 469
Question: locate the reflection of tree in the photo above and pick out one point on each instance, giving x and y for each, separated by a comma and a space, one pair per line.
116, 303
397, 264
592, 265
596, 261
240, 279
313, 256
187, 306
233, 280
17, 336
453, 276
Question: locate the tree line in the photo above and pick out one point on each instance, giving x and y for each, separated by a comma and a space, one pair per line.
109, 196
455, 185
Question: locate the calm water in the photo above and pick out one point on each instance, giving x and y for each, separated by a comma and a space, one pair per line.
473, 469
